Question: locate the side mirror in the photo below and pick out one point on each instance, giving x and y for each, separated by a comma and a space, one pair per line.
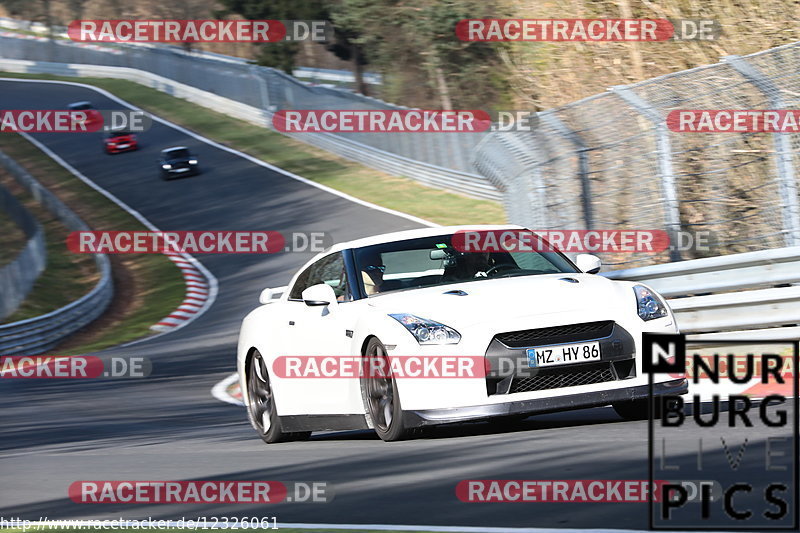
588, 263
266, 296
320, 294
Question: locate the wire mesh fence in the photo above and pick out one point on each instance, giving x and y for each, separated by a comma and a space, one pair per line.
610, 162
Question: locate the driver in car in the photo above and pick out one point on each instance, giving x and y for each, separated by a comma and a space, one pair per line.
372, 275
468, 265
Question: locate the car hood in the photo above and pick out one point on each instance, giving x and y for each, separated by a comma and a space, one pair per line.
495, 298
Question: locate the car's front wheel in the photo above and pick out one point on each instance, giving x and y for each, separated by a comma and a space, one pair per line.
261, 404
380, 393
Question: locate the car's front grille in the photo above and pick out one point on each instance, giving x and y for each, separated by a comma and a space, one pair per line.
556, 334
558, 378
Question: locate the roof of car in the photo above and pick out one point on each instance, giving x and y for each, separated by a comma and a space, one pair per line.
416, 233
402, 236
83, 102
174, 148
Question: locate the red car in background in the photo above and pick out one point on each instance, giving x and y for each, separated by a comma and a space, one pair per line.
119, 141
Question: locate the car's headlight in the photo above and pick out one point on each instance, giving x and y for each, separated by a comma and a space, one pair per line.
193, 161
427, 331
166, 167
649, 304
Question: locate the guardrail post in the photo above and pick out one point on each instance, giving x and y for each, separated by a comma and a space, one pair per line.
583, 163
524, 194
264, 90
672, 215
787, 185
536, 193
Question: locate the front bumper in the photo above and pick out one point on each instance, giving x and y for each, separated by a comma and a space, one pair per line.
178, 172
430, 417
115, 149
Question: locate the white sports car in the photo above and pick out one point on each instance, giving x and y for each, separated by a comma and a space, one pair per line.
456, 335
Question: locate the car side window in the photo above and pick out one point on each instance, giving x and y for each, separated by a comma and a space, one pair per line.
330, 270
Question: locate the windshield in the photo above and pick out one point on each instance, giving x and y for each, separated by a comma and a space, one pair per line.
182, 153
431, 261
120, 133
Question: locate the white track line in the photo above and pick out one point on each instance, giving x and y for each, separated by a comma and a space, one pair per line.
219, 390
233, 151
212, 281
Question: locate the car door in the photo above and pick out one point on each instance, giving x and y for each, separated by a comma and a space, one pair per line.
319, 333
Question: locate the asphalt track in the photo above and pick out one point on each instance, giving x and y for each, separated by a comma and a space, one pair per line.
169, 427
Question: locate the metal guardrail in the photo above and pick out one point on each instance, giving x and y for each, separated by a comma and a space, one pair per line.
38, 334
438, 159
752, 295
18, 276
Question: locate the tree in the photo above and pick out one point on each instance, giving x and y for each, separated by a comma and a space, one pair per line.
278, 55
413, 43
344, 44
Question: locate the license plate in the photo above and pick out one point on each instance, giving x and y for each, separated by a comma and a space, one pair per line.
123, 145
563, 354
181, 169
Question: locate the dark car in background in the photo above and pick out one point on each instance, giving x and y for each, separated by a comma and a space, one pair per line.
177, 161
118, 141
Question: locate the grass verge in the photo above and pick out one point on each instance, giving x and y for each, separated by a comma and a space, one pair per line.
12, 239
66, 277
147, 287
398, 193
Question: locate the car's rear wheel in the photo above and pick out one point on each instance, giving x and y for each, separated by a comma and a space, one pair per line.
261, 404
380, 393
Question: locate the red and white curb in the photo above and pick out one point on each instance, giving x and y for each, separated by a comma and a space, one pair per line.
201, 285
228, 390
197, 293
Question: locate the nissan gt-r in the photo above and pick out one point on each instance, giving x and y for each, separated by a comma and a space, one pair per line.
406, 330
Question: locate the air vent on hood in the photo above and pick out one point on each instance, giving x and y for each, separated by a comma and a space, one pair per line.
569, 280
456, 292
